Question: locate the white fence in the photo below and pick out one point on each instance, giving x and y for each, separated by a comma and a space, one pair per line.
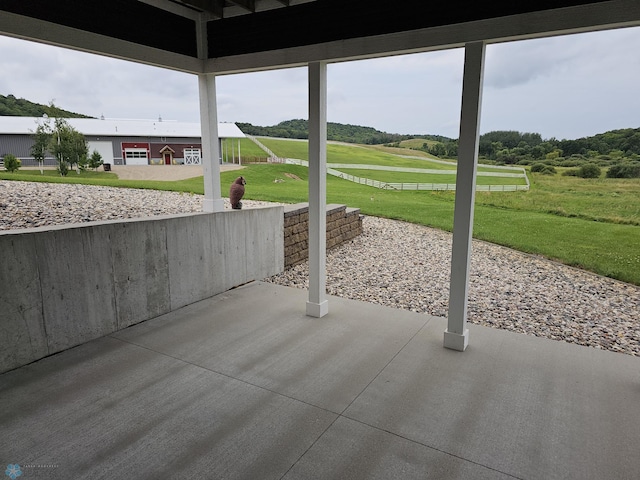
411, 186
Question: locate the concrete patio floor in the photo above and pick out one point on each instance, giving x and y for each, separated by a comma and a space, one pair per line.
245, 386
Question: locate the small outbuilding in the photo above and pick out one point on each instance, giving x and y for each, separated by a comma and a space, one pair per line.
125, 142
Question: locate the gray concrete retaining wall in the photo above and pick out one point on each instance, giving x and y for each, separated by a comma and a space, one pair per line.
63, 286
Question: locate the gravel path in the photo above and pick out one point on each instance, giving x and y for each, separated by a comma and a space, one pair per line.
392, 263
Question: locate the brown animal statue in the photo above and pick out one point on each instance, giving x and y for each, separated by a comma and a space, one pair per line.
236, 192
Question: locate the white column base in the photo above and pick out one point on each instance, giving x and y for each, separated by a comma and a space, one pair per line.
213, 205
317, 310
456, 341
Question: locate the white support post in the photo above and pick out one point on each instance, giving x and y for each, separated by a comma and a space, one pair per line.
317, 305
213, 201
456, 337
209, 126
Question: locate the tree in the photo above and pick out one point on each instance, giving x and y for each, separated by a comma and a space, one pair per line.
41, 142
11, 163
506, 156
571, 147
95, 160
452, 149
79, 150
67, 145
438, 150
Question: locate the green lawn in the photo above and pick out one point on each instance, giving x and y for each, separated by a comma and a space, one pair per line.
416, 143
612, 200
403, 149
355, 154
248, 149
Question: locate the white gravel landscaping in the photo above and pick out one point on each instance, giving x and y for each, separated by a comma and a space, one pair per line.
407, 266
392, 263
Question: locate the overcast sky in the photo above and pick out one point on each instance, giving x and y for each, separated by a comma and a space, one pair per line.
563, 87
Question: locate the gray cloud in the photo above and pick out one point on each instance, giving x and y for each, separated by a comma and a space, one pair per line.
516, 63
566, 87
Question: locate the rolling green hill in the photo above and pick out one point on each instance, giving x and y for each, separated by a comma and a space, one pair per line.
19, 107
338, 132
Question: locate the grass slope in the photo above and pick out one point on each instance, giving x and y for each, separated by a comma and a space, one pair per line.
606, 248
364, 155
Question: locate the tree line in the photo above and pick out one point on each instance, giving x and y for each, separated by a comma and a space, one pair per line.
338, 132
619, 150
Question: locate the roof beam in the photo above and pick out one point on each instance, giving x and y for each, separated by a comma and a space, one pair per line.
172, 7
546, 23
35, 30
213, 7
249, 5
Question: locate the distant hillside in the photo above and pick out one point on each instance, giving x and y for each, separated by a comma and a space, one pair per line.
335, 131
19, 107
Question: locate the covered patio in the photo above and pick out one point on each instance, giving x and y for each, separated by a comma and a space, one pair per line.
263, 381
219, 37
224, 388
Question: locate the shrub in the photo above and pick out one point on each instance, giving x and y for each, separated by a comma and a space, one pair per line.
570, 173
62, 168
543, 169
629, 170
589, 170
11, 163
571, 162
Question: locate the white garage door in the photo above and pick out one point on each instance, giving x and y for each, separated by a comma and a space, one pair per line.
136, 156
105, 149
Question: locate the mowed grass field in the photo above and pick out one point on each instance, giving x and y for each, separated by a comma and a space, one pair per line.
364, 155
411, 178
590, 224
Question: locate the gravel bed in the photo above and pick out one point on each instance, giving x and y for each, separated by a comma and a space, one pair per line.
35, 204
407, 266
392, 263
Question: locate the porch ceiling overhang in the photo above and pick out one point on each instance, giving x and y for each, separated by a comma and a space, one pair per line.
224, 36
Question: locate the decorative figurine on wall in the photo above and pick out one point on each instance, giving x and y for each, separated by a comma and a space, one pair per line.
236, 192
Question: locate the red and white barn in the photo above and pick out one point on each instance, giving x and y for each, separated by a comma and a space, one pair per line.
126, 142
